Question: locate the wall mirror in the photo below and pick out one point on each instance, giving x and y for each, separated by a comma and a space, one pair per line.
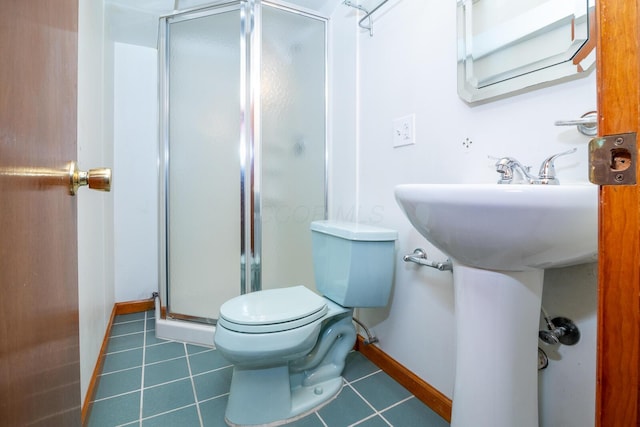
506, 46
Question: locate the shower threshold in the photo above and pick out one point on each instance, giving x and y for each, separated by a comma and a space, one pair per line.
181, 330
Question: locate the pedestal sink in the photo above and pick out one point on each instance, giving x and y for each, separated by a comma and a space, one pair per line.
500, 239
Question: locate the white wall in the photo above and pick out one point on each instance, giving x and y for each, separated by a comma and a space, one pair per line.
95, 209
409, 66
117, 231
135, 179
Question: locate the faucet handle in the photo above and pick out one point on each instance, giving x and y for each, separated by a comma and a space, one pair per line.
547, 169
505, 166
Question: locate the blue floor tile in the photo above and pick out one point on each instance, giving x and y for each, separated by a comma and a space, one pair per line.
309, 421
128, 317
207, 361
213, 412
376, 422
127, 328
167, 397
125, 342
184, 417
122, 360
213, 384
119, 382
358, 366
165, 351
188, 385
152, 339
115, 411
413, 413
380, 390
345, 409
162, 372
193, 349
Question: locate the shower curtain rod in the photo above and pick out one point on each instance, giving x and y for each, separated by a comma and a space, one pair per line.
367, 15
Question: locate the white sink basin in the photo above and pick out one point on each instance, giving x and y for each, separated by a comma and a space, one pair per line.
506, 227
500, 239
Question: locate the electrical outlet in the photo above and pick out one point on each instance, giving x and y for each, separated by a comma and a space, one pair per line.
404, 130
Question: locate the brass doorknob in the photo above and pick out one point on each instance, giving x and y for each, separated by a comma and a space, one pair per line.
96, 179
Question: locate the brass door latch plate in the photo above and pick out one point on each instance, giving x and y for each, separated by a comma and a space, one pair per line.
612, 159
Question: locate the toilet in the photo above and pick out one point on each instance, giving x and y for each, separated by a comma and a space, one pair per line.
288, 346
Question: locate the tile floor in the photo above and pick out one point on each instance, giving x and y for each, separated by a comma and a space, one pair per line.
151, 382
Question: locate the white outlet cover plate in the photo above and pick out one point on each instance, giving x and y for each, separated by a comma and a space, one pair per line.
404, 131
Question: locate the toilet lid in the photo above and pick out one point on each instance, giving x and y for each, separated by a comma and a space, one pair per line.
272, 310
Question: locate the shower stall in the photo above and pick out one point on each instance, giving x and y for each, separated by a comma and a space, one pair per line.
242, 156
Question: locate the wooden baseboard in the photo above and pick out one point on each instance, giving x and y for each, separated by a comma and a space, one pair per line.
431, 397
134, 306
118, 308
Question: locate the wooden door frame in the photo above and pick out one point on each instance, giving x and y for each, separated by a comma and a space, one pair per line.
618, 373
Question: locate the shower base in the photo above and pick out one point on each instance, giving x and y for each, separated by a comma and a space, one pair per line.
181, 330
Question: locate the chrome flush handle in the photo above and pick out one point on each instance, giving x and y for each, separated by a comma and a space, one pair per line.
587, 124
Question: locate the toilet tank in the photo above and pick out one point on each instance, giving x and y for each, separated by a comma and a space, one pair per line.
353, 263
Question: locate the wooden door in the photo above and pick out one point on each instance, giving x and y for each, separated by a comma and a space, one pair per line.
618, 360
39, 354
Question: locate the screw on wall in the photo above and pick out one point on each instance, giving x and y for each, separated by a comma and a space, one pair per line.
467, 143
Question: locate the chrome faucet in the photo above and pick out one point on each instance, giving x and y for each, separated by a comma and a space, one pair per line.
547, 174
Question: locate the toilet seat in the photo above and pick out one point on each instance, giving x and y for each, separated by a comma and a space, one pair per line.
272, 310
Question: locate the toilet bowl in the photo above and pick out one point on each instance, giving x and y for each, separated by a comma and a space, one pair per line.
288, 346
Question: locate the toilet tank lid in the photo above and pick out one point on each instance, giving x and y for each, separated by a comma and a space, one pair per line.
354, 231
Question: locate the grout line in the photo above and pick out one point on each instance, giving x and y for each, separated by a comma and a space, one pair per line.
115, 395
163, 342
385, 420
363, 377
204, 349
214, 397
164, 360
127, 321
128, 424
357, 423
193, 385
393, 406
122, 351
167, 382
214, 370
125, 335
398, 403
320, 418
376, 412
106, 374
116, 326
144, 354
167, 412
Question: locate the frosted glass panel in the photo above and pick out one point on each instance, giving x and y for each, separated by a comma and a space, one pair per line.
293, 144
204, 265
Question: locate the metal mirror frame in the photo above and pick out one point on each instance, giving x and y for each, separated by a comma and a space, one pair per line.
577, 65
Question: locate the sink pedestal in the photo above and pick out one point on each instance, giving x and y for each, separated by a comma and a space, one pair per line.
497, 318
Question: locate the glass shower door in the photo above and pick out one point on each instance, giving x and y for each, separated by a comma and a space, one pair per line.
244, 157
203, 175
293, 135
